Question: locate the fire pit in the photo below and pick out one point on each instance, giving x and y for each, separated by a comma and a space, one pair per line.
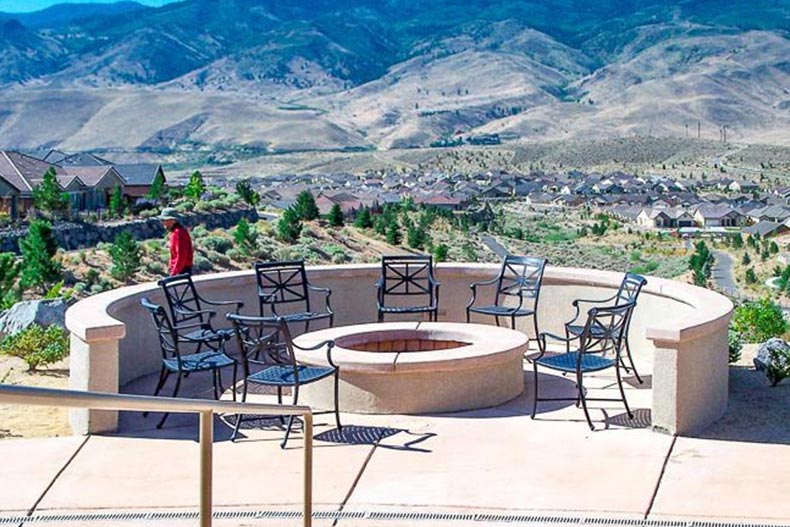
418, 367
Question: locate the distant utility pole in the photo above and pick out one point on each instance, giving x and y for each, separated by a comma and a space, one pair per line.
699, 130
725, 133
687, 130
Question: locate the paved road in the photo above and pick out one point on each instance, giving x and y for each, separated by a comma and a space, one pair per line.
495, 246
722, 273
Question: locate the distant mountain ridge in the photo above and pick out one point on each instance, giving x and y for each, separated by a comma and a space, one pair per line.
391, 73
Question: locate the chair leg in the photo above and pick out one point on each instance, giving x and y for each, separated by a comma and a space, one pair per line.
512, 321
175, 393
215, 382
496, 317
331, 320
239, 416
580, 387
534, 389
337, 400
534, 325
622, 392
468, 317
381, 316
291, 418
163, 375
631, 360
235, 379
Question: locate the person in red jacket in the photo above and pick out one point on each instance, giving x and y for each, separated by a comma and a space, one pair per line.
181, 253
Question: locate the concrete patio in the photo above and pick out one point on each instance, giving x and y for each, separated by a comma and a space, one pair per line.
494, 462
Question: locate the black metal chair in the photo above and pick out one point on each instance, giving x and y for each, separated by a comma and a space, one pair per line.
407, 276
266, 344
519, 277
627, 293
174, 361
188, 315
281, 283
602, 335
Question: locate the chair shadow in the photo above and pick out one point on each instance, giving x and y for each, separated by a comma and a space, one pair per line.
373, 435
756, 412
643, 418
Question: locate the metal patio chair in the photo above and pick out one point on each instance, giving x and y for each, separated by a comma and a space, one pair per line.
188, 315
602, 335
407, 276
520, 277
266, 346
174, 361
283, 283
627, 293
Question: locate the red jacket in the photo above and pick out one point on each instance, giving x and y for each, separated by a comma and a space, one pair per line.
180, 250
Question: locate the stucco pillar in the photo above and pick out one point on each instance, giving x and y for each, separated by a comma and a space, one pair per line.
93, 366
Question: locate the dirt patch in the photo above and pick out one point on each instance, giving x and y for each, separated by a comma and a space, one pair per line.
33, 421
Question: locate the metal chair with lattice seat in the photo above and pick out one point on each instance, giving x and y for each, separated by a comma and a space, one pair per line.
627, 293
190, 320
598, 347
267, 346
285, 283
174, 361
520, 277
407, 276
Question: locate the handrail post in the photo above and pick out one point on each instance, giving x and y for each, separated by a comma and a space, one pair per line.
206, 476
308, 469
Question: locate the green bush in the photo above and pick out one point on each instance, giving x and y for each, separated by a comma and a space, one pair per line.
202, 263
37, 346
217, 244
218, 259
156, 268
759, 321
199, 231
735, 343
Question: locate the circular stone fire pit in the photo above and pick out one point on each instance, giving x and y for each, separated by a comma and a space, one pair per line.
417, 367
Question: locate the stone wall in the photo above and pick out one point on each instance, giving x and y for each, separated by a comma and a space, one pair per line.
79, 235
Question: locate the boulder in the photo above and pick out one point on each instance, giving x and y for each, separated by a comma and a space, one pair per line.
773, 358
42, 312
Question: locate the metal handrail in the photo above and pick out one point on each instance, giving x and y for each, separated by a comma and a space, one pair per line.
26, 395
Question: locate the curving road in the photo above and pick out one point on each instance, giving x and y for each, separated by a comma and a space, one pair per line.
722, 273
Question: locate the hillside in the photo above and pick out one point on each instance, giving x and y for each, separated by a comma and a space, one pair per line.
364, 74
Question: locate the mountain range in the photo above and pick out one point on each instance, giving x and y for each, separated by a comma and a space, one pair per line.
364, 74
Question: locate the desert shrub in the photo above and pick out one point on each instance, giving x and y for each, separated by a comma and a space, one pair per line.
217, 244
286, 253
202, 263
95, 289
759, 321
155, 268
236, 254
645, 268
80, 287
218, 259
735, 344
199, 231
37, 346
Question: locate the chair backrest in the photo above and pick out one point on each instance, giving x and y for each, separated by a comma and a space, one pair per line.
281, 283
266, 339
407, 276
629, 289
182, 299
605, 329
521, 276
168, 339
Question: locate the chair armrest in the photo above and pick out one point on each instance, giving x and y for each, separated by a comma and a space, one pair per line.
591, 301
211, 314
317, 289
236, 303
544, 334
474, 285
329, 345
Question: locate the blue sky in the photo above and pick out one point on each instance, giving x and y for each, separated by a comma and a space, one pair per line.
23, 6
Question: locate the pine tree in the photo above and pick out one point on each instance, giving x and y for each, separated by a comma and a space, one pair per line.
305, 204
364, 219
48, 196
246, 237
393, 234
157, 190
336, 218
441, 252
290, 225
116, 202
125, 253
196, 186
38, 250
247, 193
9, 272
415, 237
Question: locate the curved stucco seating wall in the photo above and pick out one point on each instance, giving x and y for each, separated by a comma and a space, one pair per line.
679, 328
